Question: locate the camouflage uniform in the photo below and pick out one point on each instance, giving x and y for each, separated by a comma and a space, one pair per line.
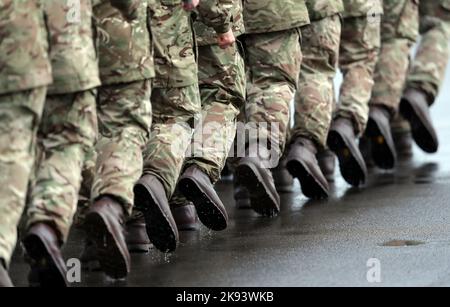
428, 68
399, 30
315, 98
175, 97
427, 71
124, 109
69, 126
273, 56
222, 90
24, 74
360, 45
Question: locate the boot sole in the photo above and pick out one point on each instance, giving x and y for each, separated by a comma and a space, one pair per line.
44, 271
208, 212
159, 229
421, 134
310, 187
113, 260
350, 169
261, 202
382, 155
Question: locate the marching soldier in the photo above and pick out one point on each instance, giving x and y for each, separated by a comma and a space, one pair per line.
315, 98
25, 73
427, 73
124, 114
360, 45
222, 90
176, 106
67, 132
273, 58
399, 30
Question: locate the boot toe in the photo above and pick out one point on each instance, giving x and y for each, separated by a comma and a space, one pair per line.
151, 200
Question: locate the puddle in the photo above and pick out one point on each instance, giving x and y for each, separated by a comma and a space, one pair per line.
402, 243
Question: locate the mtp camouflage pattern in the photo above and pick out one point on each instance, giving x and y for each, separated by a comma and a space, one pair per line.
273, 63
24, 62
399, 31
314, 99
69, 126
24, 74
319, 9
429, 65
262, 16
124, 108
222, 90
175, 57
20, 114
125, 48
66, 134
360, 45
206, 31
176, 110
72, 51
124, 114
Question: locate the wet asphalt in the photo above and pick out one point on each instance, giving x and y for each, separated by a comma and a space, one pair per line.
401, 219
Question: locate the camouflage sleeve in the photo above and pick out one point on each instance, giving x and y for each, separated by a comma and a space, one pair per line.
216, 14
129, 8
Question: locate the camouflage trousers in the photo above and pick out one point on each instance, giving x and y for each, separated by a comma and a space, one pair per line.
175, 113
399, 28
394, 71
222, 89
273, 63
314, 99
428, 68
360, 44
67, 132
124, 115
20, 114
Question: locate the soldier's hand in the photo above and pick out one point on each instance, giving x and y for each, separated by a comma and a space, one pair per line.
226, 40
189, 5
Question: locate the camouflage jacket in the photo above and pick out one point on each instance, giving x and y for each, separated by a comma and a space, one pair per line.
72, 51
175, 57
24, 62
360, 8
319, 9
262, 16
204, 30
125, 48
401, 20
